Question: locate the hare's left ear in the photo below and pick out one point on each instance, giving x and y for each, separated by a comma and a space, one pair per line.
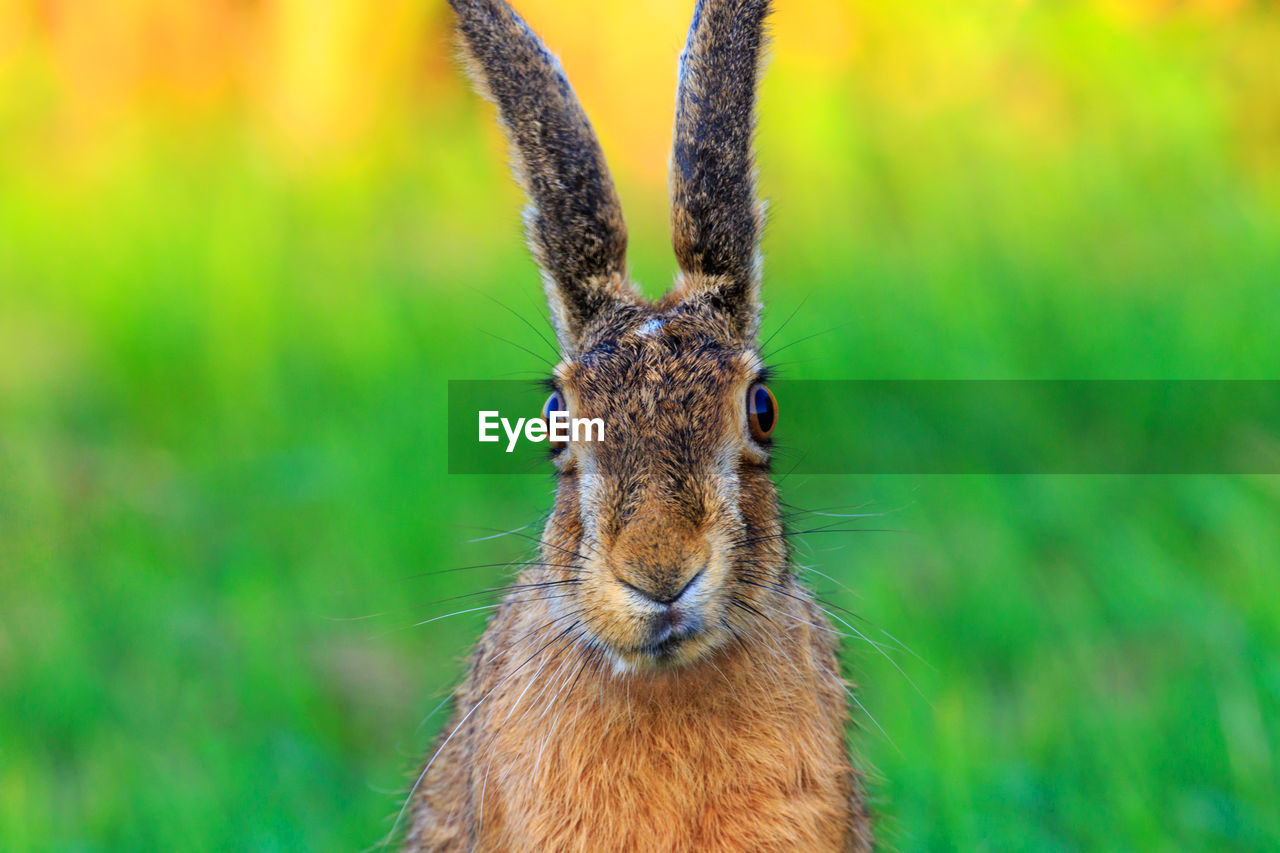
716, 218
574, 221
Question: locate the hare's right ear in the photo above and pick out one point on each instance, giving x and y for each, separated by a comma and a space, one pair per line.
574, 221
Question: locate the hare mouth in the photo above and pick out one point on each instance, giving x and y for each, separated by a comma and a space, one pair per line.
661, 651
667, 642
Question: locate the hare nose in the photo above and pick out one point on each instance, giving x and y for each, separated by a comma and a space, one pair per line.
665, 594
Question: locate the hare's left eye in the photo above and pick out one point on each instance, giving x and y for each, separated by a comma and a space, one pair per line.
762, 412
555, 403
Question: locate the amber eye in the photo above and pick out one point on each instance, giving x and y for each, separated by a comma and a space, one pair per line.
762, 412
555, 403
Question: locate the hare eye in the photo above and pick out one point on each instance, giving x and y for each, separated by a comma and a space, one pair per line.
762, 412
555, 403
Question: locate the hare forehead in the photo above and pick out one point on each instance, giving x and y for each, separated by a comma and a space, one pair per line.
650, 327
665, 364
647, 357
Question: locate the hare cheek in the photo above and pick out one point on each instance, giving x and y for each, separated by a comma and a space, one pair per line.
609, 613
590, 497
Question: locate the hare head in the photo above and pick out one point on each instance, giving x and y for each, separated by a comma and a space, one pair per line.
667, 533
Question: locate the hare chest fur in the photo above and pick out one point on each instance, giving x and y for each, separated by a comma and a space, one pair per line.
658, 679
578, 756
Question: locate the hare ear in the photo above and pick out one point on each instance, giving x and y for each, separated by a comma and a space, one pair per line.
573, 221
716, 218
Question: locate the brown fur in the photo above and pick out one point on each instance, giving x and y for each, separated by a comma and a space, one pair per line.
660, 680
715, 217
574, 221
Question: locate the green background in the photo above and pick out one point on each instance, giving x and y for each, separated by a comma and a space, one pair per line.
244, 247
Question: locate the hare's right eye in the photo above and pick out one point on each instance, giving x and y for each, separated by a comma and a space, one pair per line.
762, 412
555, 403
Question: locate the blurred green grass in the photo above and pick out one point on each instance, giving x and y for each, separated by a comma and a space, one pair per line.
222, 387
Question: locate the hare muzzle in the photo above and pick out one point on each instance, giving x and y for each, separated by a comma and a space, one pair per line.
668, 585
659, 498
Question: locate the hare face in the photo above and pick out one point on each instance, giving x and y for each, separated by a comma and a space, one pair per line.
672, 504
667, 532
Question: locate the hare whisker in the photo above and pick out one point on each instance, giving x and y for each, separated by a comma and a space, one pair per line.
826, 606
541, 358
854, 615
790, 533
756, 631
445, 701
509, 564
765, 344
564, 682
489, 764
455, 613
413, 790
880, 648
546, 544
769, 355
822, 514
821, 574
490, 591
870, 716
905, 648
779, 368
489, 607
498, 534
494, 606
795, 506
514, 313
792, 615
516, 643
537, 375
533, 679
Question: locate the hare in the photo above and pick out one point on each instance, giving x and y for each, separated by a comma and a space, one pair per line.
660, 680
